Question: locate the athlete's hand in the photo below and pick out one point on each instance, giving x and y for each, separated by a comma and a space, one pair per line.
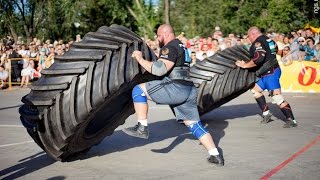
239, 63
137, 55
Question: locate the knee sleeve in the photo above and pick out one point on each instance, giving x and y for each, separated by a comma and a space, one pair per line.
197, 129
278, 99
138, 95
255, 93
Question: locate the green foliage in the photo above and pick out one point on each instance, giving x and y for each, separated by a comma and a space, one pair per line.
145, 16
57, 19
236, 16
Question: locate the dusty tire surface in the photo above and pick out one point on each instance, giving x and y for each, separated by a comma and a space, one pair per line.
219, 80
86, 93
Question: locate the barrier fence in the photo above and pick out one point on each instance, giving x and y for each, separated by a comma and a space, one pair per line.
300, 76
10, 83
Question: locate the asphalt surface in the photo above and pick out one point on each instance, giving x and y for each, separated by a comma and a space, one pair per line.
251, 150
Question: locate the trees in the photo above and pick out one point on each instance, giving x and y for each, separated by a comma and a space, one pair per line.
64, 19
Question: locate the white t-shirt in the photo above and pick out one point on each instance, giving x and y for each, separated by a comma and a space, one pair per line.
4, 75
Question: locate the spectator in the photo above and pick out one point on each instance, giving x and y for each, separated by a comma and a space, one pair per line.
286, 41
194, 59
309, 48
42, 59
228, 43
3, 77
215, 45
286, 57
294, 47
309, 33
15, 64
26, 72
317, 53
301, 42
280, 44
78, 38
204, 53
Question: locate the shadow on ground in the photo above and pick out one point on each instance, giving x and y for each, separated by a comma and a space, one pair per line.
216, 122
27, 165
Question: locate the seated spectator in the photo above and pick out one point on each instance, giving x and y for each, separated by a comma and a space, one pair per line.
309, 48
3, 77
286, 57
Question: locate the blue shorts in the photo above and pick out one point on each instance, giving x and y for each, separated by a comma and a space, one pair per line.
270, 81
182, 98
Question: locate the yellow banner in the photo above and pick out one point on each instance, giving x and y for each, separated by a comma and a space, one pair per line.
300, 76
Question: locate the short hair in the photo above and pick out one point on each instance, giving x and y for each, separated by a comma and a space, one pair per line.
290, 36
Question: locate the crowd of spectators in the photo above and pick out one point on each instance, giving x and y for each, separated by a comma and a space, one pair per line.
296, 45
27, 60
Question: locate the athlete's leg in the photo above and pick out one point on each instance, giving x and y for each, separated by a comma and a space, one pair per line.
285, 108
140, 96
200, 132
261, 100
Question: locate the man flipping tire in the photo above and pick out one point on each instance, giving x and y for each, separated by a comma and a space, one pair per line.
174, 89
263, 58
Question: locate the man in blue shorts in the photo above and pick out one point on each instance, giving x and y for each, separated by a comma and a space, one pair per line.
263, 59
174, 89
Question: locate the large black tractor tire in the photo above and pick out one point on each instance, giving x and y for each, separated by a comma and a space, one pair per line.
86, 93
219, 80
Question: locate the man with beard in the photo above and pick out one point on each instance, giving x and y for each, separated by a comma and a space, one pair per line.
175, 89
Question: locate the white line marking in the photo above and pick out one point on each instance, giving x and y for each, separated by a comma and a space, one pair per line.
19, 126
13, 144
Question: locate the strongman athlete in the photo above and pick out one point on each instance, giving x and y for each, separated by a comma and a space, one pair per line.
263, 58
174, 89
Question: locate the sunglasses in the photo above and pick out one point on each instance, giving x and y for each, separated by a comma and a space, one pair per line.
286, 50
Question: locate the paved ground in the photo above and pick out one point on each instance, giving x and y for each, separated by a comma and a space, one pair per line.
251, 150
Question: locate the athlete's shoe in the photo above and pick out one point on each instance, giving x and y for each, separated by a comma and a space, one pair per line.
217, 160
138, 130
266, 119
290, 123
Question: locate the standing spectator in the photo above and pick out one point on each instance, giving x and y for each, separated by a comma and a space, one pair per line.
286, 57
204, 53
15, 69
317, 53
280, 44
286, 41
78, 38
215, 45
309, 33
294, 47
309, 48
194, 59
3, 77
42, 59
26, 72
